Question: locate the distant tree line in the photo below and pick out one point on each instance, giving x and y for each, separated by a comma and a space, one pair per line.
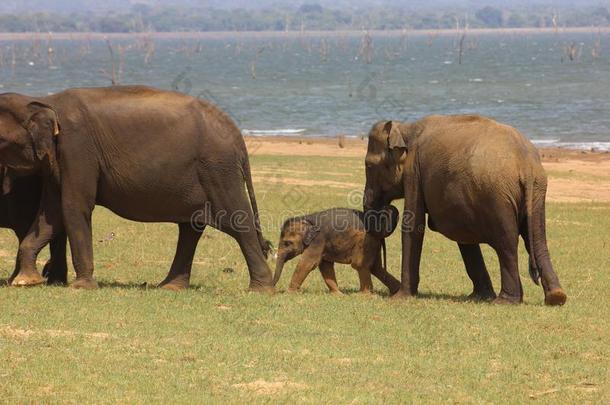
309, 16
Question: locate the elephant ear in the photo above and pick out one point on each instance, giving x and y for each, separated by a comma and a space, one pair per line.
43, 125
391, 218
395, 138
311, 232
381, 223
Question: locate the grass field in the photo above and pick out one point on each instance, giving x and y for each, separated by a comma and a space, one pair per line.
128, 342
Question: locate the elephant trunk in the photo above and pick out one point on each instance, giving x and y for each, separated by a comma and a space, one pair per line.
279, 266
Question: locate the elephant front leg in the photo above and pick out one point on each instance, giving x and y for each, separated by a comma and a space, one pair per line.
77, 220
413, 227
45, 226
306, 265
475, 267
180, 272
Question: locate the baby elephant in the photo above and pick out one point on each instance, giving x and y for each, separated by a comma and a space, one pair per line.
337, 235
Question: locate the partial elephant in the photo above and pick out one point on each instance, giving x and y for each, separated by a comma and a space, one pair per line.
19, 202
479, 181
337, 235
148, 155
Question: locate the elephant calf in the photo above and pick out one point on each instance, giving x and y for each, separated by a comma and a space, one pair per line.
333, 236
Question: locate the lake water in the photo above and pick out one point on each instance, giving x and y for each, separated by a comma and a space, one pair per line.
323, 86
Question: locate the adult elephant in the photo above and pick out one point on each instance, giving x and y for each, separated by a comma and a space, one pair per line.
479, 182
148, 155
19, 203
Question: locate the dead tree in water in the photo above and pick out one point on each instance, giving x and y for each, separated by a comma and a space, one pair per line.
259, 51
50, 50
13, 60
117, 69
324, 49
573, 52
597, 46
462, 37
366, 48
404, 41
150, 51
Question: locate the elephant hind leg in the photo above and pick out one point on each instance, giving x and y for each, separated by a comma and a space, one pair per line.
327, 269
56, 269
475, 268
512, 290
366, 283
180, 273
384, 276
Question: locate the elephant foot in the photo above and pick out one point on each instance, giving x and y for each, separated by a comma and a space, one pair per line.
482, 296
507, 300
174, 286
401, 294
84, 284
257, 288
57, 281
394, 289
555, 297
27, 280
55, 276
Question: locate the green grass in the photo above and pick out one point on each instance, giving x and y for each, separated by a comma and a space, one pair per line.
128, 342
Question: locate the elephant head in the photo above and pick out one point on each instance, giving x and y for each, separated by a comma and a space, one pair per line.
28, 128
385, 159
297, 234
390, 149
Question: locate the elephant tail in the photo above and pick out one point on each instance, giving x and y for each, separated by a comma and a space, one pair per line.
529, 206
266, 245
384, 261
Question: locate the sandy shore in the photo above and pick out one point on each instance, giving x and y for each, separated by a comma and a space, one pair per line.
574, 175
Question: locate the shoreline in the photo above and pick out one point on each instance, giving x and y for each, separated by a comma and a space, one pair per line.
573, 175
355, 145
25, 36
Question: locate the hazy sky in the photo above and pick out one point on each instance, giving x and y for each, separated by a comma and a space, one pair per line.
123, 5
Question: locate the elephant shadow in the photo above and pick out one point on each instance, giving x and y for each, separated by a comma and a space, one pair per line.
146, 286
448, 297
129, 286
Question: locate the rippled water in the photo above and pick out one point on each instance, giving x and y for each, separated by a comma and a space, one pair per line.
320, 86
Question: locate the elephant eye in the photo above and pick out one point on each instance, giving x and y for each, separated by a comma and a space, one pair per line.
287, 243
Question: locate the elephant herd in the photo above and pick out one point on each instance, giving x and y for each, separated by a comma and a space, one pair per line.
155, 156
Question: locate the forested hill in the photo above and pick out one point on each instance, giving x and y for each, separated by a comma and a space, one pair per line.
281, 15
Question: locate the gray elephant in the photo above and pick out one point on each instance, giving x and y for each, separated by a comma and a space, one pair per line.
479, 181
337, 235
148, 155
